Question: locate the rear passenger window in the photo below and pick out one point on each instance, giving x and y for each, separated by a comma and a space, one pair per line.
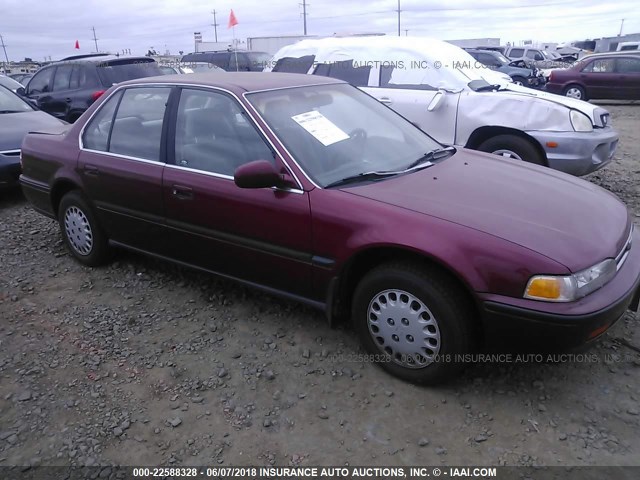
62, 78
516, 53
96, 133
213, 135
355, 75
137, 128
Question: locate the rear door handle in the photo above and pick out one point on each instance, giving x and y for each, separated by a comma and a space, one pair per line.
91, 170
385, 100
68, 100
181, 192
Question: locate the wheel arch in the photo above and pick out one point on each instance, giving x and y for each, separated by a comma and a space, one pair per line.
60, 188
365, 260
484, 133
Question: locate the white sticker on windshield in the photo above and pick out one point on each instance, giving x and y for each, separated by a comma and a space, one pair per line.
323, 129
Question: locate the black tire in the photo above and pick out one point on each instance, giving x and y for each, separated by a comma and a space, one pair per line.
521, 80
522, 147
448, 305
78, 208
578, 88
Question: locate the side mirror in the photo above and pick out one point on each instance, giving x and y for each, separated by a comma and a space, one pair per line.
20, 91
257, 174
436, 101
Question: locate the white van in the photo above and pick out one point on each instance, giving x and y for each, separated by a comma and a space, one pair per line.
458, 101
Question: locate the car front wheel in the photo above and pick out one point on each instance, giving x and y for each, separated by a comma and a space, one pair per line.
80, 230
512, 146
414, 321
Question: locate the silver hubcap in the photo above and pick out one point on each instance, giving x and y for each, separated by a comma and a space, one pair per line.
403, 328
518, 82
574, 93
78, 230
507, 154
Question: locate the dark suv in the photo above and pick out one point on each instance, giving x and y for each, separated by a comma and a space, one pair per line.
228, 60
67, 88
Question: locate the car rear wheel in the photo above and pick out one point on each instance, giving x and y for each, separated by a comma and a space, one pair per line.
80, 230
413, 321
575, 91
520, 81
512, 146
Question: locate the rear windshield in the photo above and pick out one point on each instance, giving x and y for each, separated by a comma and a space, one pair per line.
117, 71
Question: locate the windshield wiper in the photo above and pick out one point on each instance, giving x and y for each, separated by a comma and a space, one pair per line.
360, 177
427, 158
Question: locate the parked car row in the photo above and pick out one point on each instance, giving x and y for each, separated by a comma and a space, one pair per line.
307, 187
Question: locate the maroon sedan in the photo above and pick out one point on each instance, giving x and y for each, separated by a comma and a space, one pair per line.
309, 188
611, 76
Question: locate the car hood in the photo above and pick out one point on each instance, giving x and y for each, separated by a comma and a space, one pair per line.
566, 219
595, 113
14, 126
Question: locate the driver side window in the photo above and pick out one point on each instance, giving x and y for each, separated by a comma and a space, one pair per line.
213, 134
41, 81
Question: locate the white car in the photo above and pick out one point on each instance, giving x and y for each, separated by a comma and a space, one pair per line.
458, 101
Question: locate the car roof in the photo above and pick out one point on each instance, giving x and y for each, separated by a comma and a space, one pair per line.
104, 59
238, 81
627, 53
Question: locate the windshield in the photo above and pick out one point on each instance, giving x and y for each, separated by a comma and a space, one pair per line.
546, 54
336, 131
122, 70
502, 58
12, 103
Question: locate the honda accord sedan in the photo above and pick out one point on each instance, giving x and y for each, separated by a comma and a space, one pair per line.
309, 188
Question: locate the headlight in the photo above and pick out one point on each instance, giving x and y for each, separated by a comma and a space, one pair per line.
580, 122
568, 288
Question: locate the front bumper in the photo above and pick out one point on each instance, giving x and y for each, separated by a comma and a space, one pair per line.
9, 170
519, 324
578, 153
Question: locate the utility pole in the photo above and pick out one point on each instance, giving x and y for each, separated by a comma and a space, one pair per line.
621, 24
215, 25
304, 15
406, 32
4, 47
398, 17
95, 39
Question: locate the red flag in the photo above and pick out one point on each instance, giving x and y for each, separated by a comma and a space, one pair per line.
233, 21
77, 45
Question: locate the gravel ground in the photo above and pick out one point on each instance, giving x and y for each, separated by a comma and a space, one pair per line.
142, 362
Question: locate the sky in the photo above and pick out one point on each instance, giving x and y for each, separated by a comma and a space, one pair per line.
39, 28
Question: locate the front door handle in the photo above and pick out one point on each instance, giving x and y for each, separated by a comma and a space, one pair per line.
385, 100
91, 170
68, 100
181, 192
